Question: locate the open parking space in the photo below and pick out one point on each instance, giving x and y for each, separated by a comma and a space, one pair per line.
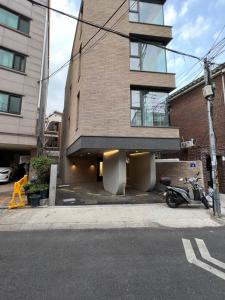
94, 194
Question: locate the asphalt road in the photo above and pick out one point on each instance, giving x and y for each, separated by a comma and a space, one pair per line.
107, 264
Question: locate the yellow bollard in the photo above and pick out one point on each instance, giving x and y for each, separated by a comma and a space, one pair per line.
18, 186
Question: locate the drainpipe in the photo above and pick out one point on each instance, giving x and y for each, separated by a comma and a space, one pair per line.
223, 85
42, 99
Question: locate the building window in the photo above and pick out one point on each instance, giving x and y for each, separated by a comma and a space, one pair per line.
14, 21
149, 108
145, 57
78, 111
12, 60
79, 62
10, 103
143, 11
81, 17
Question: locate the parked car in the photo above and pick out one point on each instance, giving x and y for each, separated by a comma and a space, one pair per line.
5, 174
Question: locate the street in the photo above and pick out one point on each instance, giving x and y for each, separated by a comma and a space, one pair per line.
108, 264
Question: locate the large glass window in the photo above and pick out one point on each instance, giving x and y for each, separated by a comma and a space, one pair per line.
14, 21
144, 11
146, 57
12, 60
10, 103
149, 108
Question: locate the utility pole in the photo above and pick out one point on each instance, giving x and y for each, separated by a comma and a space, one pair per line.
208, 93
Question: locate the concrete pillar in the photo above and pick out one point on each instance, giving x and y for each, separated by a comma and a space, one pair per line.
142, 171
114, 172
52, 187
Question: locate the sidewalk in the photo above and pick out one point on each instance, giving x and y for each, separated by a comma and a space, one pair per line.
105, 217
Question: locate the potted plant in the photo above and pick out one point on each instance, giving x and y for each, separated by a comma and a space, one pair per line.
42, 166
39, 188
44, 190
33, 195
35, 200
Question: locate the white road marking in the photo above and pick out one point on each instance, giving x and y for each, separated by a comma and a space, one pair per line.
92, 194
206, 255
66, 190
69, 200
191, 258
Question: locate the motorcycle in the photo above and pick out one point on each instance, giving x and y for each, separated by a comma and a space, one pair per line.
176, 196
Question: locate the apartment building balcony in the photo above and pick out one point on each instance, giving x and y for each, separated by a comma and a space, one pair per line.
155, 32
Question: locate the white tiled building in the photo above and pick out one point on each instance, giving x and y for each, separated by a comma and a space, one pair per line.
24, 61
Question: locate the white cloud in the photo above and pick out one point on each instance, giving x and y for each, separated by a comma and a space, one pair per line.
186, 7
62, 35
170, 15
216, 35
198, 51
194, 30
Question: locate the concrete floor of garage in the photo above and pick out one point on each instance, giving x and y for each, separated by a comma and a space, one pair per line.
94, 194
6, 190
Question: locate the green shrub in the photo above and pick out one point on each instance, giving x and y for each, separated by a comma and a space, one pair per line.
27, 186
42, 166
36, 188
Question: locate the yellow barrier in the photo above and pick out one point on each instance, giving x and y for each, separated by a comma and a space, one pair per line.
18, 190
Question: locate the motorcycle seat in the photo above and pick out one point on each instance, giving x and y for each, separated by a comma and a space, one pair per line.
183, 188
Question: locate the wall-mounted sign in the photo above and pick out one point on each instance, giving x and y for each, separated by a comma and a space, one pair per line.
193, 164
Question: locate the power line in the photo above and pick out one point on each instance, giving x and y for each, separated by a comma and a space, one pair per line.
121, 34
214, 44
113, 26
219, 51
217, 47
76, 55
86, 44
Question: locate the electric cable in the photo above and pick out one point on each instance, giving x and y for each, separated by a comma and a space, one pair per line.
86, 44
214, 44
118, 33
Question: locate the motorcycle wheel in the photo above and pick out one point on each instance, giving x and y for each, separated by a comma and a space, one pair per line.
206, 203
171, 200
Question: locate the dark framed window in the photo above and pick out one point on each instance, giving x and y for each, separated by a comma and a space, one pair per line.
146, 57
13, 20
10, 103
79, 62
12, 60
143, 11
81, 17
149, 108
78, 111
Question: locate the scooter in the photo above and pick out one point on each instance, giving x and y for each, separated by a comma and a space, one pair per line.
176, 196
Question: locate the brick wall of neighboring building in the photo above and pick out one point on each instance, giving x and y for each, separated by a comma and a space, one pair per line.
189, 113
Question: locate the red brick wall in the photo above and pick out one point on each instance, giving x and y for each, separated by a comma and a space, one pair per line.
189, 113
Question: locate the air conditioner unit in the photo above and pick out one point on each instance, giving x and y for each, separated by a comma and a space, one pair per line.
188, 144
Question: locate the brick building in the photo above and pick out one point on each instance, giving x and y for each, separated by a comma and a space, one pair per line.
53, 130
24, 61
188, 111
114, 120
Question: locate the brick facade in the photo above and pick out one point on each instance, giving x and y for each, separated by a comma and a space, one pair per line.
97, 95
188, 111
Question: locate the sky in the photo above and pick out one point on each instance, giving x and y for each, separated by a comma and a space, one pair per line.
197, 25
